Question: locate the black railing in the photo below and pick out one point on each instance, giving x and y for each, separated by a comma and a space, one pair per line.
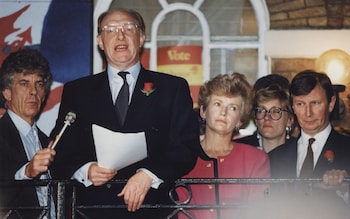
58, 190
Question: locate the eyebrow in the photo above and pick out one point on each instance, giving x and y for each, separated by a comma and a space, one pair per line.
26, 80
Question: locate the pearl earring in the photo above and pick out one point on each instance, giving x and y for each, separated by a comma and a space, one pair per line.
288, 129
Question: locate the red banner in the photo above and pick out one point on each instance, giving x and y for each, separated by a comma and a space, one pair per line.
183, 61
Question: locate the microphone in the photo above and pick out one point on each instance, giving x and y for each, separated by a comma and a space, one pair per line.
68, 120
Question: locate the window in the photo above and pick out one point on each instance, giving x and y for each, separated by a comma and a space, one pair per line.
229, 32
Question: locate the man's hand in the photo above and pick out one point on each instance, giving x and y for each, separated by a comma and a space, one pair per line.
40, 162
334, 180
135, 190
99, 175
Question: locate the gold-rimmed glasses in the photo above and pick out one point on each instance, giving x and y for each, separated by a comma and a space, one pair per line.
126, 28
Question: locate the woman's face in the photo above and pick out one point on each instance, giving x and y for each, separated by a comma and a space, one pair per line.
223, 114
270, 128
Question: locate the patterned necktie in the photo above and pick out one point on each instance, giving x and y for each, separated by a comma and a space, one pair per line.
35, 144
308, 165
122, 102
42, 191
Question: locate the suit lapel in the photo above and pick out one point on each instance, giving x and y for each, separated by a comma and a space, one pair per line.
15, 142
293, 153
44, 141
101, 96
139, 108
322, 163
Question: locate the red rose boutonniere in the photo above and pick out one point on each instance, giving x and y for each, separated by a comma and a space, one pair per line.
148, 88
329, 155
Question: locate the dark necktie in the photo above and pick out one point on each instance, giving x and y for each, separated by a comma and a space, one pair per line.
308, 165
122, 101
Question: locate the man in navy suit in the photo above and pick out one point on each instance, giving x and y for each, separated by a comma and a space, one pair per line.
25, 83
313, 101
159, 105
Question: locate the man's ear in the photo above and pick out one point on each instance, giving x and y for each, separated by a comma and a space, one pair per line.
7, 94
332, 103
99, 42
142, 39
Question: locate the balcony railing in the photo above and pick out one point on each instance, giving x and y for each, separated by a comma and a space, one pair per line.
58, 190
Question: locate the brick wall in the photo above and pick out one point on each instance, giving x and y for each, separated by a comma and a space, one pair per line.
309, 14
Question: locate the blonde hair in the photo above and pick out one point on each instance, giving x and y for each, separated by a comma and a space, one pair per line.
230, 86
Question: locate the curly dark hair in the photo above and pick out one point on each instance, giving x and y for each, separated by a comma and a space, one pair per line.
26, 61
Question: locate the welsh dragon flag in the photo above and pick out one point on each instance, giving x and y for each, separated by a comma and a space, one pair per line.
61, 30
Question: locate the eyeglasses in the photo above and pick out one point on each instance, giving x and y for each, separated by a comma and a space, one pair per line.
127, 28
275, 113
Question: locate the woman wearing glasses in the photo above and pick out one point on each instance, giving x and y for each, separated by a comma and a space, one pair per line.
273, 117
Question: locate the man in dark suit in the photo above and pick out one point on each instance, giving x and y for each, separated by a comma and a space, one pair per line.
313, 101
25, 83
159, 105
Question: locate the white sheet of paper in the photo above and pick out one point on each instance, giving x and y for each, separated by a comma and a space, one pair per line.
115, 150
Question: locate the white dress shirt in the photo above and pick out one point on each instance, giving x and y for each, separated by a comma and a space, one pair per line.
116, 82
317, 146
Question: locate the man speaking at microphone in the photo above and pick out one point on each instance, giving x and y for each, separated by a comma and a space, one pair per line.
157, 104
25, 83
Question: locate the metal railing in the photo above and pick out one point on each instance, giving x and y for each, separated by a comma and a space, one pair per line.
58, 190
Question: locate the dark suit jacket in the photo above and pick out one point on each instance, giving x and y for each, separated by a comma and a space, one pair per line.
324, 202
254, 141
250, 139
12, 158
284, 158
166, 116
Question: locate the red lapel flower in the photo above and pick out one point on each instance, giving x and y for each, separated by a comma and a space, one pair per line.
148, 88
329, 155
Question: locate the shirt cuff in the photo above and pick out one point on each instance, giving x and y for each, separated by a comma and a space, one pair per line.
81, 175
155, 180
20, 174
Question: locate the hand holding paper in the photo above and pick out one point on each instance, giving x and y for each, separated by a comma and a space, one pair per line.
115, 150
99, 175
